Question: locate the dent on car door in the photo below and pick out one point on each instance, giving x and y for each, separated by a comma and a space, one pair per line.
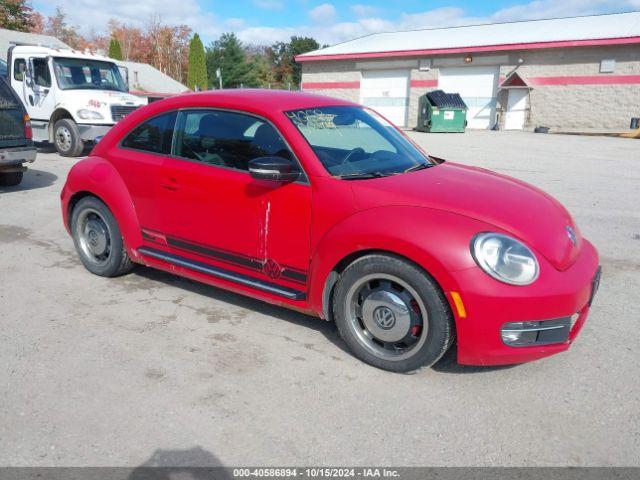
215, 212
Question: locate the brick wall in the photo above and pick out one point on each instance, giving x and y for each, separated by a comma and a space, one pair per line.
574, 106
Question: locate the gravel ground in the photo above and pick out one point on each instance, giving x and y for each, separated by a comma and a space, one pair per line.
153, 368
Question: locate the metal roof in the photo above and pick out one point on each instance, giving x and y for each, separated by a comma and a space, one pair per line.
557, 32
145, 78
12, 37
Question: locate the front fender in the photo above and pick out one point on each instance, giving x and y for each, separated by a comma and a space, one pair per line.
96, 176
435, 240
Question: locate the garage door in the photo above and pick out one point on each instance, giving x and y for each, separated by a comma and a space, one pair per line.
478, 87
386, 91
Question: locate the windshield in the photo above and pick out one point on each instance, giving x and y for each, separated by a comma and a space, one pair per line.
81, 73
356, 142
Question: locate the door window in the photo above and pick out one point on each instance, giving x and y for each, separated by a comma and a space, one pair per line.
227, 139
41, 75
154, 135
19, 66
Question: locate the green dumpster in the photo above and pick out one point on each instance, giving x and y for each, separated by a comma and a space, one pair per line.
442, 112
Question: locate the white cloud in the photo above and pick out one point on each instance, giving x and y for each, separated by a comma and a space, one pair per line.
361, 10
565, 8
269, 4
95, 14
330, 32
325, 13
267, 35
90, 15
235, 23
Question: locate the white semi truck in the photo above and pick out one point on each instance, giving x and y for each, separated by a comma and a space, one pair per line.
71, 97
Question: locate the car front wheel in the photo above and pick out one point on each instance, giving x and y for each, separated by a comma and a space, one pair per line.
391, 314
66, 138
98, 240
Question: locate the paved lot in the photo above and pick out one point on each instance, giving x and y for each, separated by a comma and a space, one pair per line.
153, 368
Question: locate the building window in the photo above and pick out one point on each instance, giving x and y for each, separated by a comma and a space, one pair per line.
608, 65
424, 64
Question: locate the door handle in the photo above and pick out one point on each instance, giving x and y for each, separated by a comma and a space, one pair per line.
171, 184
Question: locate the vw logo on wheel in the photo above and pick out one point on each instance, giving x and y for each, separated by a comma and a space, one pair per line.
384, 317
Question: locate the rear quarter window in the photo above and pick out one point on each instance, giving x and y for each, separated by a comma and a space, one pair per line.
154, 135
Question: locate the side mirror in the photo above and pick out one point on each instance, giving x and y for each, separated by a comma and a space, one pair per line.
276, 169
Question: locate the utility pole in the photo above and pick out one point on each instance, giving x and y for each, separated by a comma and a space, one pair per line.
219, 76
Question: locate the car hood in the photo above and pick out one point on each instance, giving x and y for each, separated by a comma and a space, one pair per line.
512, 206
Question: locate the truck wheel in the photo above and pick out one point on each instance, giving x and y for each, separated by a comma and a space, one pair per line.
10, 179
66, 138
98, 240
391, 314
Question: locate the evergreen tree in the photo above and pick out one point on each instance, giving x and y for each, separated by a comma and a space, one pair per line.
197, 70
228, 54
115, 51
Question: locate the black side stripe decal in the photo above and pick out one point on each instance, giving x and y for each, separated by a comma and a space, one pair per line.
290, 273
210, 252
223, 274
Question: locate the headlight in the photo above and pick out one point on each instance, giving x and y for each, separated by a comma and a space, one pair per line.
505, 258
89, 114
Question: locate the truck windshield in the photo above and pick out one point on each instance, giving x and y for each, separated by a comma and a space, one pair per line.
356, 143
87, 74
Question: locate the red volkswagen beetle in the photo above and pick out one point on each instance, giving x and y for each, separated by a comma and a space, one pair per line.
322, 206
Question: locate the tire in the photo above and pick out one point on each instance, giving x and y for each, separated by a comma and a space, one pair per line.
101, 252
391, 314
66, 138
10, 179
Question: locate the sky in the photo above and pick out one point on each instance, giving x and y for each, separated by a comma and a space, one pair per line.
329, 21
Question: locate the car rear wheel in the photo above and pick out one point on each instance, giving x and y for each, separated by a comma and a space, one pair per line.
98, 240
10, 179
391, 314
66, 138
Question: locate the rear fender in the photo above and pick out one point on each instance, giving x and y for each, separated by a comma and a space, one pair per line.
96, 176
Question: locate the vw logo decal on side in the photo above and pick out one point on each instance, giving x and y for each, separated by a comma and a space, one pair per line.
384, 317
572, 235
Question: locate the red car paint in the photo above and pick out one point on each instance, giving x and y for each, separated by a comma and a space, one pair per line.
295, 235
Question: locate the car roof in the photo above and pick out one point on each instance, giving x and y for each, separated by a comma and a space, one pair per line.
261, 101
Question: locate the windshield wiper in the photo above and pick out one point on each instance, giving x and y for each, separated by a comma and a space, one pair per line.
362, 175
420, 166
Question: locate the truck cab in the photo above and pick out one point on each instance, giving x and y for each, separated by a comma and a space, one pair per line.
71, 97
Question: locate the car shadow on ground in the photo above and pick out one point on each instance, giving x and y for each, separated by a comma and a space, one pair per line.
192, 464
447, 364
325, 328
31, 180
50, 148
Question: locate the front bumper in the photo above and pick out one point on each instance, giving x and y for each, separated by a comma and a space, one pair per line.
89, 132
15, 157
491, 304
